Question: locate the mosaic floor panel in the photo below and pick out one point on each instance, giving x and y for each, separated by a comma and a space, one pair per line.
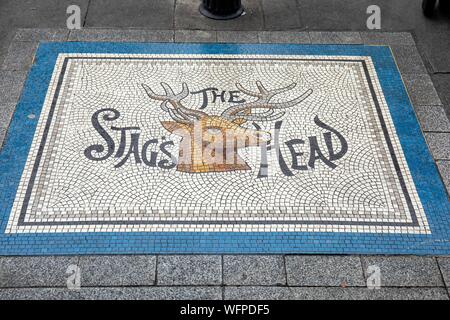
163, 148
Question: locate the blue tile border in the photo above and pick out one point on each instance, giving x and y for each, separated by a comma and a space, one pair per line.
423, 169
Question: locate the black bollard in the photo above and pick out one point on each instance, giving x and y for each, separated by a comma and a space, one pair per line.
221, 9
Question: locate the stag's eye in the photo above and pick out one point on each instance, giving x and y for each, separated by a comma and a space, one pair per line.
213, 130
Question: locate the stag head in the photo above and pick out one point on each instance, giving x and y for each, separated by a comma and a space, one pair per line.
210, 142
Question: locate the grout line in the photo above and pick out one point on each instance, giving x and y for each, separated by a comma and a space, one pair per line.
223, 278
174, 16
285, 270
156, 270
86, 14
442, 276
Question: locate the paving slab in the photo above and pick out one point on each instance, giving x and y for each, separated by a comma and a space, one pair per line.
324, 271
387, 38
155, 14
330, 37
17, 272
284, 37
20, 56
254, 270
129, 35
104, 271
405, 271
444, 265
123, 293
324, 293
439, 143
408, 59
281, 15
3, 132
435, 46
433, 118
195, 36
41, 34
39, 294
237, 36
39, 14
442, 83
11, 83
444, 170
189, 270
421, 90
152, 293
6, 112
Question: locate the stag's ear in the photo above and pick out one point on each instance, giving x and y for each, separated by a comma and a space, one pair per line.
172, 126
239, 121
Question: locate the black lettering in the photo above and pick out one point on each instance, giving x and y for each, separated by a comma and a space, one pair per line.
165, 164
133, 150
99, 148
235, 95
153, 154
290, 144
316, 154
204, 93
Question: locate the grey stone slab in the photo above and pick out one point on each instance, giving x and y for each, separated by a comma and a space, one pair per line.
132, 270
20, 56
281, 15
189, 270
284, 37
6, 35
253, 270
388, 38
38, 13
444, 170
405, 271
311, 270
11, 83
39, 294
152, 293
155, 14
333, 293
45, 34
122, 35
351, 15
195, 36
439, 144
408, 59
187, 16
436, 46
46, 271
442, 85
421, 90
329, 37
237, 36
3, 132
444, 265
433, 118
6, 112
333, 15
122, 293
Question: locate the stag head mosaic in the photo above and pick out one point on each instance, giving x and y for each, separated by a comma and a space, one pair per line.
210, 143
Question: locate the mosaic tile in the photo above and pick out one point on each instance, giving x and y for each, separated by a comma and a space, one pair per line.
217, 148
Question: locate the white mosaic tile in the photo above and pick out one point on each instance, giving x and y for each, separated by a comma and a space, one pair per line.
106, 155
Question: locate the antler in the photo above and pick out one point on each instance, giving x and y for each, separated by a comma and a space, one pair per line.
243, 111
176, 110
